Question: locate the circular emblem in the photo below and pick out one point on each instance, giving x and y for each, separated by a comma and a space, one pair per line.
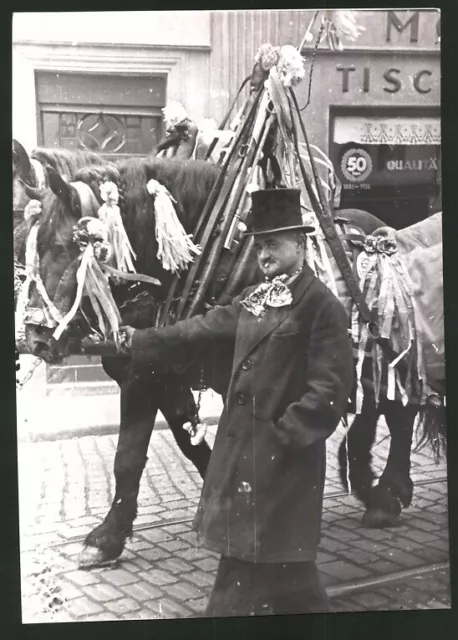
362, 265
356, 165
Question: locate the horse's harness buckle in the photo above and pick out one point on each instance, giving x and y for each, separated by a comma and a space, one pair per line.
374, 329
243, 150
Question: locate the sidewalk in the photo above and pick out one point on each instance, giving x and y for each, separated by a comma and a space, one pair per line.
57, 417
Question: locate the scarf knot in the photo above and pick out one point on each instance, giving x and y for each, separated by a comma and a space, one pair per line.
273, 293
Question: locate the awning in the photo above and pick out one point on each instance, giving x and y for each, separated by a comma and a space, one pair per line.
392, 131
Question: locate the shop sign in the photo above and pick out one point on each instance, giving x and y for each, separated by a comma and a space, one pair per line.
360, 168
428, 164
393, 79
356, 165
410, 24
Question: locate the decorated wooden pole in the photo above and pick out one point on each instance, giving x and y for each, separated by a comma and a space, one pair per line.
238, 272
226, 118
214, 207
228, 214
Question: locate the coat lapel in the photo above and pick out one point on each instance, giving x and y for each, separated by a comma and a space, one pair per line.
300, 286
251, 330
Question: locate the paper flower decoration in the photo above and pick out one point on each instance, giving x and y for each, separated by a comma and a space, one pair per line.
290, 67
174, 114
267, 56
338, 24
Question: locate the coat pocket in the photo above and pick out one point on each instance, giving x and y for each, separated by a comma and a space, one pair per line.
281, 335
287, 328
261, 458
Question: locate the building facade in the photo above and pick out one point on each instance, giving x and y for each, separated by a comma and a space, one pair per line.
374, 107
100, 80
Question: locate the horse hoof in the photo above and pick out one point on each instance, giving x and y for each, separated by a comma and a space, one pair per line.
379, 519
92, 557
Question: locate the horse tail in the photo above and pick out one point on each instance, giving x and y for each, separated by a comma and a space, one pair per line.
432, 429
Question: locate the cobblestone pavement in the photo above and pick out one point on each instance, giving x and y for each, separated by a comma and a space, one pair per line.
66, 488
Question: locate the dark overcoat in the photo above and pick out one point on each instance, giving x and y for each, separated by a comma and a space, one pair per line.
291, 376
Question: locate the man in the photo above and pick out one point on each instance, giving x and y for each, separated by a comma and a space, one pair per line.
262, 498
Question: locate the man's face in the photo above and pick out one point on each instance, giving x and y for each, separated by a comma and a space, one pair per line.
278, 253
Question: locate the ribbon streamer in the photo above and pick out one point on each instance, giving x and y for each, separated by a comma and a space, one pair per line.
91, 281
32, 271
88, 254
389, 294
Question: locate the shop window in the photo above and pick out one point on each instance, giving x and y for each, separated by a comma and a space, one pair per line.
388, 162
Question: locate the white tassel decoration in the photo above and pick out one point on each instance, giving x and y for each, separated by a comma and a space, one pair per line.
110, 214
175, 247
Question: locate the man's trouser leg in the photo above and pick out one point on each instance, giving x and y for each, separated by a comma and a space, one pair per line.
246, 588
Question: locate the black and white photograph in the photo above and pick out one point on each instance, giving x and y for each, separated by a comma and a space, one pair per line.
229, 313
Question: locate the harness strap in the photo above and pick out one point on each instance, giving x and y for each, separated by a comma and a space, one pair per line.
135, 277
89, 203
32, 267
39, 173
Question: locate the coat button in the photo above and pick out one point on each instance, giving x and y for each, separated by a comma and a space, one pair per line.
240, 398
246, 365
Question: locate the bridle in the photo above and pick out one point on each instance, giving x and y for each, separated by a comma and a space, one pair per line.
48, 315
91, 276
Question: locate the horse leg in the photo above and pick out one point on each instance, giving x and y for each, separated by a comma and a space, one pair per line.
106, 542
395, 487
178, 407
356, 450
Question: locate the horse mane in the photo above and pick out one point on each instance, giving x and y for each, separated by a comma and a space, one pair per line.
54, 214
64, 161
188, 181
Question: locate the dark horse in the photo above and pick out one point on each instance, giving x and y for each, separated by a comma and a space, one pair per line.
143, 391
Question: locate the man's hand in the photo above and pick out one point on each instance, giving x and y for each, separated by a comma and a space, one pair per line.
125, 338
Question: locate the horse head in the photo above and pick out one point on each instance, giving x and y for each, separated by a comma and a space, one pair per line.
52, 258
59, 253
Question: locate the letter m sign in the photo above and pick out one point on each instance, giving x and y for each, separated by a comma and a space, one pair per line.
393, 20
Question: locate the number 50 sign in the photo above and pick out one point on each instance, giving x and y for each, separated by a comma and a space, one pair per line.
356, 165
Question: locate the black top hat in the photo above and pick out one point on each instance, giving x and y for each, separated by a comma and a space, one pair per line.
276, 210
